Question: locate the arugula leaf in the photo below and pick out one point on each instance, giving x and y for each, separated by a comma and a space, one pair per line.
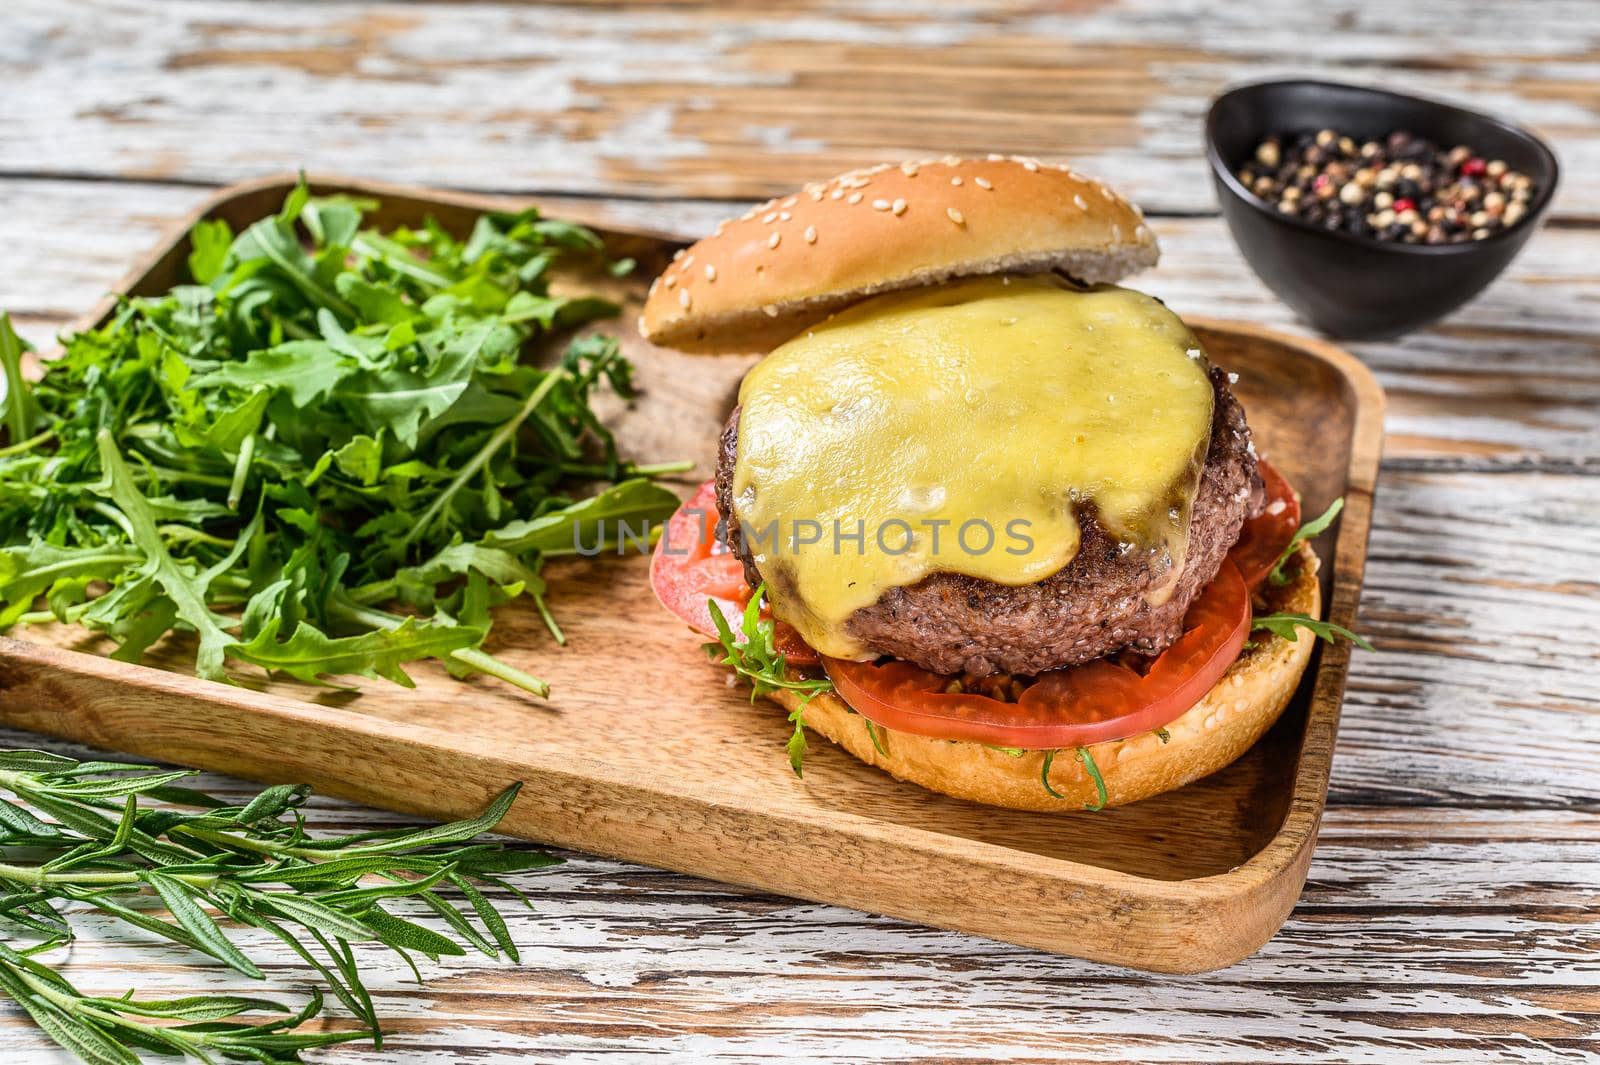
1089, 767
590, 525
308, 653
879, 742
756, 659
21, 410
209, 242
1315, 527
1044, 775
182, 585
1288, 626
1094, 774
305, 370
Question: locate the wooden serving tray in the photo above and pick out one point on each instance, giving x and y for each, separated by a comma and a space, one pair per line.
645, 752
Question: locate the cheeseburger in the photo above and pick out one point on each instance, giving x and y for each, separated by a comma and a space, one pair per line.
982, 517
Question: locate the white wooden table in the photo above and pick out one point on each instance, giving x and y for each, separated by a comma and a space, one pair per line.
1453, 910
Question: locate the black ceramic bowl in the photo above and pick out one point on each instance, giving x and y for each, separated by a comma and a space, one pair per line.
1347, 285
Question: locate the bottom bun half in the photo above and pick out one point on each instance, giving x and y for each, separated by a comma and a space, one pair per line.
1211, 734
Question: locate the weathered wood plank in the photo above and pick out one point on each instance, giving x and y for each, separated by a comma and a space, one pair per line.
1511, 380
1481, 597
737, 101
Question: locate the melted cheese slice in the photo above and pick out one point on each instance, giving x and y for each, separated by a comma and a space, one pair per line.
957, 429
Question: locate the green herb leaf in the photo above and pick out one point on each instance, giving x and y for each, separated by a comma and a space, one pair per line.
1288, 626
756, 659
21, 410
309, 654
1315, 527
1044, 775
209, 242
1094, 774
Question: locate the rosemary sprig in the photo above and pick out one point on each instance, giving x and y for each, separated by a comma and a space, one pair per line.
757, 659
77, 835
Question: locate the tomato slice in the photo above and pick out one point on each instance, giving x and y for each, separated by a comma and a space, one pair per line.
1074, 707
691, 568
1263, 538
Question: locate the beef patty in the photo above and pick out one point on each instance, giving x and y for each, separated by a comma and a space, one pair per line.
1094, 605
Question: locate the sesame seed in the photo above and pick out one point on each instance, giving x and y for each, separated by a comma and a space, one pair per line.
951, 160
669, 279
769, 218
908, 169
770, 310
722, 227
711, 272
677, 255
1142, 231
639, 323
816, 196
1081, 203
854, 197
683, 297
784, 216
956, 182
955, 216
791, 201
1030, 165
836, 194
880, 205
751, 213
1137, 210
655, 285
983, 183
688, 261
995, 157
772, 241
811, 234
898, 207
1108, 194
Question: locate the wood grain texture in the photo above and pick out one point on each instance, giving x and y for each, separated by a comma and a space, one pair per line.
737, 100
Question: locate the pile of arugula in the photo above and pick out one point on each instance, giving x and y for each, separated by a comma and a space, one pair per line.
328, 420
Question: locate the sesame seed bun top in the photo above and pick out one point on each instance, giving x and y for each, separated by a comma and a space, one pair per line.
764, 276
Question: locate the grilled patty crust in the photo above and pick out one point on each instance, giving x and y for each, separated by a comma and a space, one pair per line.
1093, 606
